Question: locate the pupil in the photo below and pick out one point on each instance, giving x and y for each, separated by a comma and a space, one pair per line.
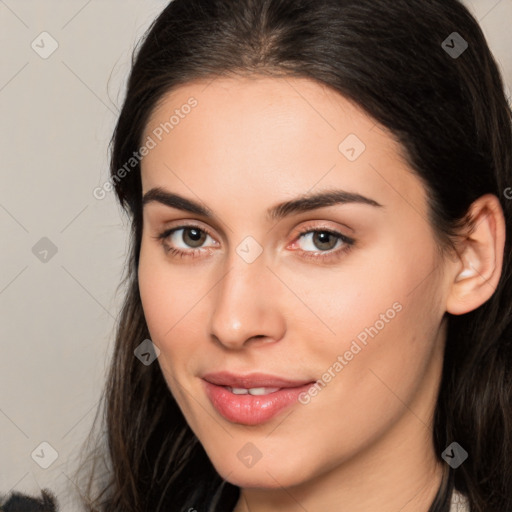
322, 239
195, 235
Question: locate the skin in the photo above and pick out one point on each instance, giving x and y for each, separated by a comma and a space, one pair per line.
365, 440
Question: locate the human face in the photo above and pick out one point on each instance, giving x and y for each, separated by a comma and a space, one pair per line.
246, 292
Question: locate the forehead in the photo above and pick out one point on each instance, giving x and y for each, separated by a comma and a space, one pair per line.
274, 136
238, 106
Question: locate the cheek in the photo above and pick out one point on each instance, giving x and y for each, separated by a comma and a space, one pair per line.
385, 314
165, 291
363, 293
154, 294
171, 296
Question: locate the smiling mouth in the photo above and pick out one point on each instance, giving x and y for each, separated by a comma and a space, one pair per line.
254, 405
252, 391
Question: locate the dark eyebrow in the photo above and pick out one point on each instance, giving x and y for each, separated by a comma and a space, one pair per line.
159, 195
320, 200
302, 204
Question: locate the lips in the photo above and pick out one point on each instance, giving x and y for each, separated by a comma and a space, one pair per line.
251, 399
253, 380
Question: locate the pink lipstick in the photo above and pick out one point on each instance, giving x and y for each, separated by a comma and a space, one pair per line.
254, 398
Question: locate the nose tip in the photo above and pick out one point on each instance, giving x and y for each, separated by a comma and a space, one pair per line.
245, 311
237, 342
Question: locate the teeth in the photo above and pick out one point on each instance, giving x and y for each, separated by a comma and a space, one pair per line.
262, 391
253, 391
239, 391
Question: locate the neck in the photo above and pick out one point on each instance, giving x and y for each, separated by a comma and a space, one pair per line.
407, 481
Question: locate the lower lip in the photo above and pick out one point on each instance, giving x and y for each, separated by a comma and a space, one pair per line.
249, 409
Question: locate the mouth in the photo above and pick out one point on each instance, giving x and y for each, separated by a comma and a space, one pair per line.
252, 391
252, 399
252, 380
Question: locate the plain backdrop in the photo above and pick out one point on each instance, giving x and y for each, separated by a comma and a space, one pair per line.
62, 76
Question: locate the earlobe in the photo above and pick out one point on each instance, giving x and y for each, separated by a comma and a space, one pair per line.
481, 257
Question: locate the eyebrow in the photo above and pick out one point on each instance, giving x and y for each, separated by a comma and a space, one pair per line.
301, 204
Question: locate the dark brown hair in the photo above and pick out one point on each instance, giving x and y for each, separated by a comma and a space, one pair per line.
452, 118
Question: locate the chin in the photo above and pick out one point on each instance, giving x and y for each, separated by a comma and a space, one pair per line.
259, 480
263, 475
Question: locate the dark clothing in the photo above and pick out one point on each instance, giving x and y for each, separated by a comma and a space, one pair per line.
18, 502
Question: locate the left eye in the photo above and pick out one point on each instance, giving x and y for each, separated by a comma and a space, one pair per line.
322, 240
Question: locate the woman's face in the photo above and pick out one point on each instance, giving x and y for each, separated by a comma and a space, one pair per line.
240, 273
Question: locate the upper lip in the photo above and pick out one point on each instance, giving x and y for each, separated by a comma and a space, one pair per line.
252, 380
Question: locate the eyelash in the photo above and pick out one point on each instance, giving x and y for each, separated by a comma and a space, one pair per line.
325, 256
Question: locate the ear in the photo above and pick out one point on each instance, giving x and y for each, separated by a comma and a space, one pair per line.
476, 272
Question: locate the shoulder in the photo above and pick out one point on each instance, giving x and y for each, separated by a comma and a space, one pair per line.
18, 502
459, 502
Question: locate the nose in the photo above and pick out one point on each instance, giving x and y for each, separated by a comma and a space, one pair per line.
245, 307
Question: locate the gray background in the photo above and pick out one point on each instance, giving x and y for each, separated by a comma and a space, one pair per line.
58, 310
